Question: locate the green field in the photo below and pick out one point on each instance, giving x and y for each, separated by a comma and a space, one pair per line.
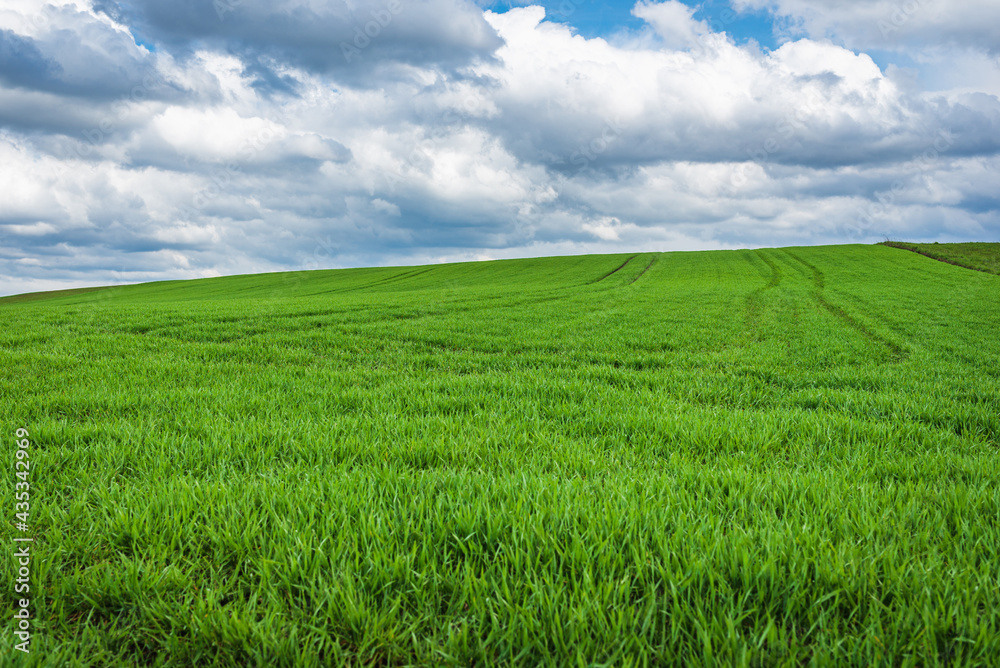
771, 457
975, 255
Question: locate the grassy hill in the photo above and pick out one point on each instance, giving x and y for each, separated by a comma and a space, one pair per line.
763, 457
976, 255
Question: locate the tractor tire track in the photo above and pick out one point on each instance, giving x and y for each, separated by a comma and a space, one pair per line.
775, 272
615, 271
753, 299
404, 276
373, 284
644, 270
899, 353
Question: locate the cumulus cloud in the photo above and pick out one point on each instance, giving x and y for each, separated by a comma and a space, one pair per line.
356, 39
70, 52
949, 46
587, 104
890, 24
672, 21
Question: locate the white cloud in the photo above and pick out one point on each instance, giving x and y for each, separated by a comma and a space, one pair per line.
218, 134
891, 24
952, 46
570, 102
672, 21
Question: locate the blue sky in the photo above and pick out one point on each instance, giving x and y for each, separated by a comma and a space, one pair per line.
604, 18
143, 140
609, 18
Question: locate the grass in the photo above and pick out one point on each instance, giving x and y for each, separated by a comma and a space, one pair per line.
772, 457
979, 256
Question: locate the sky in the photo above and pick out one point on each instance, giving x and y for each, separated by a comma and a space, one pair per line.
144, 140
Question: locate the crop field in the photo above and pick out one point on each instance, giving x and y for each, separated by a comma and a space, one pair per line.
975, 255
747, 458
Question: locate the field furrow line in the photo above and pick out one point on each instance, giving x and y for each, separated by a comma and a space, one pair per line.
616, 270
753, 299
819, 281
643, 271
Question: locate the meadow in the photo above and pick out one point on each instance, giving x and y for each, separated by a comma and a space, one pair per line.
980, 256
774, 457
